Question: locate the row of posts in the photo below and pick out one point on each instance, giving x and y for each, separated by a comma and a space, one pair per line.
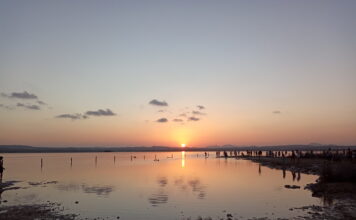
96, 160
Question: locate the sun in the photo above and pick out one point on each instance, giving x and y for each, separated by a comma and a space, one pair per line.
183, 145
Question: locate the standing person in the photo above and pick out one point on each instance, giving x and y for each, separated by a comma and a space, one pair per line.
225, 154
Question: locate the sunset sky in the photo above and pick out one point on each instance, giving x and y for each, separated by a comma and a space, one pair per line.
202, 73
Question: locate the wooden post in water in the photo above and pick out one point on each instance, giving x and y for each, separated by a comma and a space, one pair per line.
1, 168
71, 162
41, 163
96, 160
114, 159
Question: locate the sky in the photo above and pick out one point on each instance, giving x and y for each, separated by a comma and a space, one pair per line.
202, 73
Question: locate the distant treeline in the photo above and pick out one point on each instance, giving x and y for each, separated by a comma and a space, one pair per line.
31, 149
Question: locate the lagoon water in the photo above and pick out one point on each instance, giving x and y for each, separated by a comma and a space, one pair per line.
187, 185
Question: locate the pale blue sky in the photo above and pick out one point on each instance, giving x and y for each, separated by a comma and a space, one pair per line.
241, 59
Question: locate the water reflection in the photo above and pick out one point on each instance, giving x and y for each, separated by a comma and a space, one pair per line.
42, 183
180, 183
183, 159
197, 187
98, 190
259, 169
293, 175
194, 184
162, 181
158, 198
170, 185
30, 197
161, 195
68, 187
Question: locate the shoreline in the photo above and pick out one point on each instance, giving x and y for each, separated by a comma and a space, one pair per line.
339, 196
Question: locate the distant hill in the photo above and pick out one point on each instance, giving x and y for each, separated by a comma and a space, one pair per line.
14, 148
31, 149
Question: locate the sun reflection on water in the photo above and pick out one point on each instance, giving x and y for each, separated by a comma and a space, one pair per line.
183, 159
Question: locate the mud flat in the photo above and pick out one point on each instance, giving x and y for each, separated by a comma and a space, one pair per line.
36, 211
47, 210
336, 184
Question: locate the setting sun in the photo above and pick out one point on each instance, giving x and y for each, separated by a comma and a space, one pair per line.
143, 79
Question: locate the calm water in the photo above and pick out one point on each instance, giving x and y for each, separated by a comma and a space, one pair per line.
173, 188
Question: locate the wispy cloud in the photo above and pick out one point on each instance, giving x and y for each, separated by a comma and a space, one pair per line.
158, 103
100, 112
200, 107
20, 95
72, 116
277, 112
198, 113
77, 116
8, 107
28, 106
183, 115
162, 120
178, 120
193, 119
41, 103
29, 97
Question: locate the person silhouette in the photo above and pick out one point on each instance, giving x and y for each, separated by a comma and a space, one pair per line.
225, 154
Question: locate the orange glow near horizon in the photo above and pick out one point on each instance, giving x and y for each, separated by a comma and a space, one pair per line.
182, 135
18, 129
